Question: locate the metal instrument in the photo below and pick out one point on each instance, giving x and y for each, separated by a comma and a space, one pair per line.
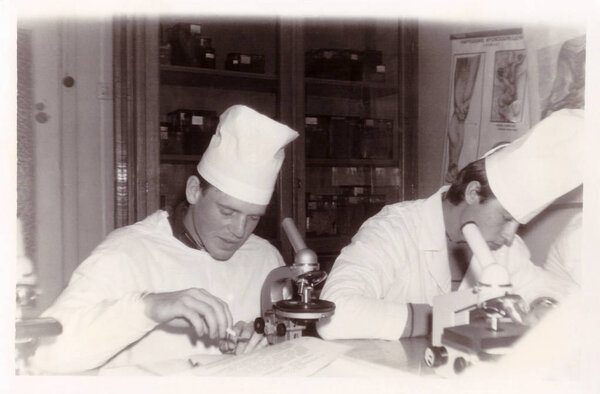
476, 324
288, 301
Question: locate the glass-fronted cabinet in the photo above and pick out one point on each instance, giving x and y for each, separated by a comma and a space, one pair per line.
206, 65
355, 128
347, 86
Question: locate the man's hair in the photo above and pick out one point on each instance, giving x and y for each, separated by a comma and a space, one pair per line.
204, 184
474, 171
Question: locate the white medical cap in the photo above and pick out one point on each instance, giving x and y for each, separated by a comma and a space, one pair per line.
531, 172
245, 154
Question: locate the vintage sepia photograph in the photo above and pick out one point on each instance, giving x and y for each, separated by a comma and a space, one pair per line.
300, 197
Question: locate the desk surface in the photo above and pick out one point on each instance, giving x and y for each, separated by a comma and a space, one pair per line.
366, 357
405, 355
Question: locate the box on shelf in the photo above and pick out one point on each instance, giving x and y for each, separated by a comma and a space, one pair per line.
245, 62
375, 139
343, 64
189, 48
316, 128
196, 126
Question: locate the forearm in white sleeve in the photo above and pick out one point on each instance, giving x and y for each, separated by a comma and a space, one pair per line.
359, 311
92, 334
101, 313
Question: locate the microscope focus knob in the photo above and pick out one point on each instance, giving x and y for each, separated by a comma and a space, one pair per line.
435, 356
259, 325
281, 330
459, 365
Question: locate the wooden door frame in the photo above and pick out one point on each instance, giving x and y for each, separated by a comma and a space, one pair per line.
136, 117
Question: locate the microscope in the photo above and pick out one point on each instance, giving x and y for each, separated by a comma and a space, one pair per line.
28, 329
288, 302
476, 324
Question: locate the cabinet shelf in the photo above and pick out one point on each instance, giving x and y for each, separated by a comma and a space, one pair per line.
349, 89
220, 79
328, 244
180, 158
351, 163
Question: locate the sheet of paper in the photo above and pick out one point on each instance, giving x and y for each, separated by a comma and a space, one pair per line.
296, 358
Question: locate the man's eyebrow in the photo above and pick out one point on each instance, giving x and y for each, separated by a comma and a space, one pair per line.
220, 205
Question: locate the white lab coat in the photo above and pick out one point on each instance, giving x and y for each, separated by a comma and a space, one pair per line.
101, 309
400, 256
564, 254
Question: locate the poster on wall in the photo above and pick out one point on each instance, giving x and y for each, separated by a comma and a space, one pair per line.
488, 104
557, 70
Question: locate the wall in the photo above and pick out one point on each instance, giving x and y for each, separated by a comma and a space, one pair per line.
434, 89
73, 147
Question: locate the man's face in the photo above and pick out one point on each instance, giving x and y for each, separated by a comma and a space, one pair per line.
496, 225
223, 223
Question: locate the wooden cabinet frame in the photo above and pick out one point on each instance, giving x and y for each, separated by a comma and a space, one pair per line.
137, 79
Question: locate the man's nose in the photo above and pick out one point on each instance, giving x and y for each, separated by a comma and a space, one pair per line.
238, 225
509, 231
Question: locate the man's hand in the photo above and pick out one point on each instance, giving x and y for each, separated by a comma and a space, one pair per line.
245, 340
208, 314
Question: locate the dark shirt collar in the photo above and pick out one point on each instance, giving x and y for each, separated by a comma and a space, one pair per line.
178, 228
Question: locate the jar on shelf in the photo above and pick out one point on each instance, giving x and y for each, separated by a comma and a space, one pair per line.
317, 142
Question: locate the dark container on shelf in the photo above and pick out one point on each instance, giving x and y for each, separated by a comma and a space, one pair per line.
321, 213
355, 64
197, 127
245, 62
373, 67
317, 142
189, 48
343, 131
164, 137
342, 64
375, 139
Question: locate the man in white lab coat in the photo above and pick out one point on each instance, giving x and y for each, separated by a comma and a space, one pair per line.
384, 282
170, 287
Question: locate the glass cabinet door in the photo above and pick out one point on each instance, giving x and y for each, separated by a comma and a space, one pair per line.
353, 127
207, 65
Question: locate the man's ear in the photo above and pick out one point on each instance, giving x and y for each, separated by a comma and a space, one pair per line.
472, 192
192, 189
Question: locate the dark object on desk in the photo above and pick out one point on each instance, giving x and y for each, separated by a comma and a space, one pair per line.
37, 328
245, 62
27, 333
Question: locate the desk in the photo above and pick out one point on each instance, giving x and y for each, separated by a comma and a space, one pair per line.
405, 355
364, 358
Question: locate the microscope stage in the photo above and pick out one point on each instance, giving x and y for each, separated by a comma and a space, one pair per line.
479, 337
295, 309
